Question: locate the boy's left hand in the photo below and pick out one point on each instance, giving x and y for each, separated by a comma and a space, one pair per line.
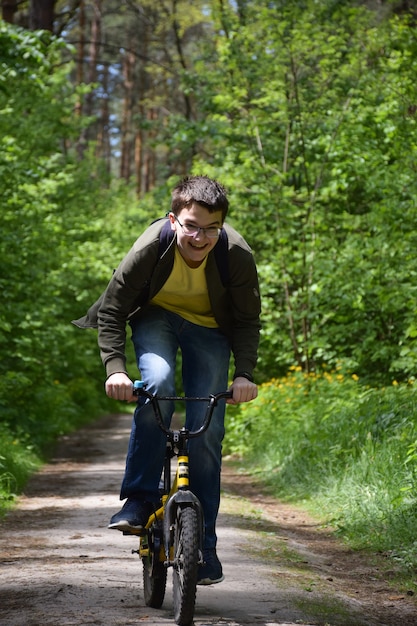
243, 390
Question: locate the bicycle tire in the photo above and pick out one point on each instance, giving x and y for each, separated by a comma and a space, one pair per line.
154, 574
185, 571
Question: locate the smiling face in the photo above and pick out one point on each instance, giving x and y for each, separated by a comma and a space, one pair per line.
194, 249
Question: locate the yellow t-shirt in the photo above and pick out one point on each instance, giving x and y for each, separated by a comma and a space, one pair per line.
185, 293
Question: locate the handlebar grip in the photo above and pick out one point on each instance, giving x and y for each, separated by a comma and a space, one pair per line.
138, 386
224, 394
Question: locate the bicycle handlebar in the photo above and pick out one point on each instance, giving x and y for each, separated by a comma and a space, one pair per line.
139, 389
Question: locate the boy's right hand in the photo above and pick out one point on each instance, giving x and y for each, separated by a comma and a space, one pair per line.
119, 387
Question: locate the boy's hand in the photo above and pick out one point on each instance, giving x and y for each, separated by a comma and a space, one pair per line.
119, 387
243, 390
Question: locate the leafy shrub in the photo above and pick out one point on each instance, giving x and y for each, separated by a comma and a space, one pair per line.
348, 450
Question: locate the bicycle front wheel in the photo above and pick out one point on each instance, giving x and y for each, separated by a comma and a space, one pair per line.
185, 572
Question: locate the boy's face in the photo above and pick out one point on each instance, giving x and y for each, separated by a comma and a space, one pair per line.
195, 248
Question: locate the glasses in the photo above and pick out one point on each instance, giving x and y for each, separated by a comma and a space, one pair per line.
192, 231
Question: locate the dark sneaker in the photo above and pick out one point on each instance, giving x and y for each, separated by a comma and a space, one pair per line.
133, 517
211, 572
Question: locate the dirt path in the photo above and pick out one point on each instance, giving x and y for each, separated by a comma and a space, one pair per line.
59, 565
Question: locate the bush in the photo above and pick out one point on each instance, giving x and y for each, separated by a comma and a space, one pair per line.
349, 451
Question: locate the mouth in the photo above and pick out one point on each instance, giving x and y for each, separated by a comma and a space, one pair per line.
197, 246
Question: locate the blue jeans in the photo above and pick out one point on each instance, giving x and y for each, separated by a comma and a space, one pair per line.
157, 336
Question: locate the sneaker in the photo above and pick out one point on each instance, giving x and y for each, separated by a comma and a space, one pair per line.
133, 517
211, 572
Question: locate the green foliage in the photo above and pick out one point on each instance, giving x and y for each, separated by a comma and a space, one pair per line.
17, 461
349, 449
49, 376
64, 229
307, 113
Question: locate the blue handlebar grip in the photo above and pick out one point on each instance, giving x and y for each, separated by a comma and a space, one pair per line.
138, 384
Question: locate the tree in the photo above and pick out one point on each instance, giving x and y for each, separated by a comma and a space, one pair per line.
42, 195
42, 14
298, 123
307, 112
8, 9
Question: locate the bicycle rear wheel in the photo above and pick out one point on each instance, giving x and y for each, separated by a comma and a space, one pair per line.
154, 573
185, 572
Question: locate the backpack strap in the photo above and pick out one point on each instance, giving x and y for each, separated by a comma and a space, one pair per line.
165, 238
221, 250
221, 254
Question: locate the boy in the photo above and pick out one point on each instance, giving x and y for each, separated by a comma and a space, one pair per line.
189, 283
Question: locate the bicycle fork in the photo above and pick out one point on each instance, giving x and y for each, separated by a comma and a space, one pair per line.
180, 499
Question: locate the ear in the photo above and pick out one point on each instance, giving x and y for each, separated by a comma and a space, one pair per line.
171, 217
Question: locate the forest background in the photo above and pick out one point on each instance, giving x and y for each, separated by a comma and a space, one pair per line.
307, 112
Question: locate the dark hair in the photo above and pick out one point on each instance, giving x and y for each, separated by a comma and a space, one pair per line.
202, 190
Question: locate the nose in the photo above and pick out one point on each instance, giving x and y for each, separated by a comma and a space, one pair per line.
200, 234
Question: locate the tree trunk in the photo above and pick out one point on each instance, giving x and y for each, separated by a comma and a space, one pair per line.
87, 107
80, 56
126, 142
138, 161
8, 9
42, 14
94, 49
103, 138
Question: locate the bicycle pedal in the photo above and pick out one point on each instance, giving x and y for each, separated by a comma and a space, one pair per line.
134, 533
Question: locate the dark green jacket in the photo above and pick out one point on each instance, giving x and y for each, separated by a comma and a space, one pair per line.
142, 273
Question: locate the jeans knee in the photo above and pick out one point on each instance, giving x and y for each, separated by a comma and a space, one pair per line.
157, 374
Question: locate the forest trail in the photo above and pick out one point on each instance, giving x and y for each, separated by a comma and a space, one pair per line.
60, 565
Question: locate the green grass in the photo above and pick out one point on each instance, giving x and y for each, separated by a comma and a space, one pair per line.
31, 423
17, 462
348, 452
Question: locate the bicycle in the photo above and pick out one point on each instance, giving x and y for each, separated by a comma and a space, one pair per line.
173, 536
